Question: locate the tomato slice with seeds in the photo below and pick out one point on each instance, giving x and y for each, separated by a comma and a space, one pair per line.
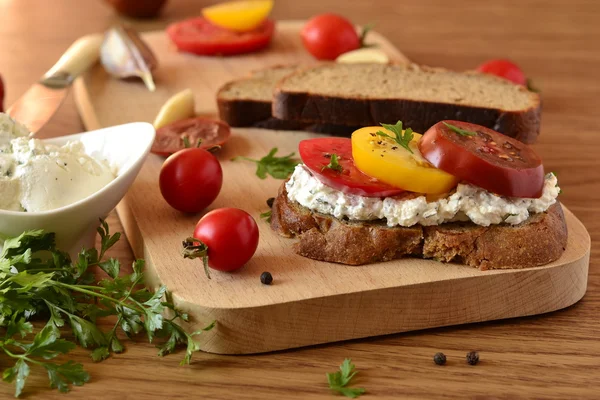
485, 158
316, 155
198, 36
170, 138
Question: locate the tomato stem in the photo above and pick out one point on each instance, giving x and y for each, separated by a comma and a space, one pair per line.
195, 248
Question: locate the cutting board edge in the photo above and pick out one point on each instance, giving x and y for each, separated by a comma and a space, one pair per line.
273, 327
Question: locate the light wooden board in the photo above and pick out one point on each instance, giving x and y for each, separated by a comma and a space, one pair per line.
310, 302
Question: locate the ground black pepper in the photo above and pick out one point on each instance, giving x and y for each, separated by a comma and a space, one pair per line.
472, 358
439, 358
266, 278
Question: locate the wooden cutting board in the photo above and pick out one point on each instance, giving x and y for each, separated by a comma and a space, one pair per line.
310, 302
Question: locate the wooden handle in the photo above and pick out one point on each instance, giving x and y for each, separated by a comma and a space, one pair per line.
80, 56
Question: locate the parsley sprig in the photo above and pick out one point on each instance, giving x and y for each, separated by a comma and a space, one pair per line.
338, 381
460, 131
277, 167
334, 163
402, 137
36, 279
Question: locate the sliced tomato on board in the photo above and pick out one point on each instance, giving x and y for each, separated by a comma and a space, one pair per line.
316, 155
170, 138
484, 157
199, 36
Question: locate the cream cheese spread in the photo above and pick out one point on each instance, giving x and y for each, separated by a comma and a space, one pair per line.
35, 176
467, 202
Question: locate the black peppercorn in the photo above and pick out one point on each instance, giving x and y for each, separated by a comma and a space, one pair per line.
472, 357
266, 278
270, 201
439, 358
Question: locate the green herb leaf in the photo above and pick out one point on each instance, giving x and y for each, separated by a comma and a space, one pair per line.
266, 216
402, 137
462, 132
20, 372
340, 379
334, 163
277, 167
36, 279
363, 35
68, 373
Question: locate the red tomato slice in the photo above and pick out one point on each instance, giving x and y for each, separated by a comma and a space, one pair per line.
316, 155
198, 36
169, 138
484, 157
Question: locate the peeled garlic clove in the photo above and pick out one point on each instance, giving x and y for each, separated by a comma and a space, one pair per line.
124, 54
179, 107
365, 55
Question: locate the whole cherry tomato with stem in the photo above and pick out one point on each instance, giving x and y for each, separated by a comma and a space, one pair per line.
225, 239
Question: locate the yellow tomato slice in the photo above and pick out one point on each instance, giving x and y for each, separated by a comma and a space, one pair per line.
382, 158
239, 15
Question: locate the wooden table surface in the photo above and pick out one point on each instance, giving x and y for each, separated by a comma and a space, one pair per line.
557, 355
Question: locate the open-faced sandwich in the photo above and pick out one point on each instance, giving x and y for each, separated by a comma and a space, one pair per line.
458, 193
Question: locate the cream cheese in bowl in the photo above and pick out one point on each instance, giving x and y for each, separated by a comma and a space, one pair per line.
36, 176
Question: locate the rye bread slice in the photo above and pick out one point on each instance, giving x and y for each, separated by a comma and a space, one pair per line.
247, 101
370, 94
539, 240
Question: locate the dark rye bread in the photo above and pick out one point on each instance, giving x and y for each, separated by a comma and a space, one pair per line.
370, 94
247, 101
539, 240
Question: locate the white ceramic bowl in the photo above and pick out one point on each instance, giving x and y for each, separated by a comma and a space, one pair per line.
125, 147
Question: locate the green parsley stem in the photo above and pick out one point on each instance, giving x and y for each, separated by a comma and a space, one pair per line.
22, 356
92, 293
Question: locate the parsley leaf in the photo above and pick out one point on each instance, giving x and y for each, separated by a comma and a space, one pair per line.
277, 167
334, 163
266, 216
340, 379
402, 137
462, 132
36, 279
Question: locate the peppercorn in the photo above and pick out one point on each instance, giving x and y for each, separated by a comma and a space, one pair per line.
270, 201
439, 358
472, 357
266, 278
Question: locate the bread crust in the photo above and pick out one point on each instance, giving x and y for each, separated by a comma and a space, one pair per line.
419, 115
538, 241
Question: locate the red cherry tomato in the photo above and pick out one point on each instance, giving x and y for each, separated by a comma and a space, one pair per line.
198, 36
170, 138
190, 180
484, 157
327, 36
316, 154
229, 236
505, 69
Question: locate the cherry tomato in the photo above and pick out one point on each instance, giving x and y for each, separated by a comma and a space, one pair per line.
326, 36
228, 236
198, 36
505, 69
191, 179
170, 138
316, 155
484, 157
